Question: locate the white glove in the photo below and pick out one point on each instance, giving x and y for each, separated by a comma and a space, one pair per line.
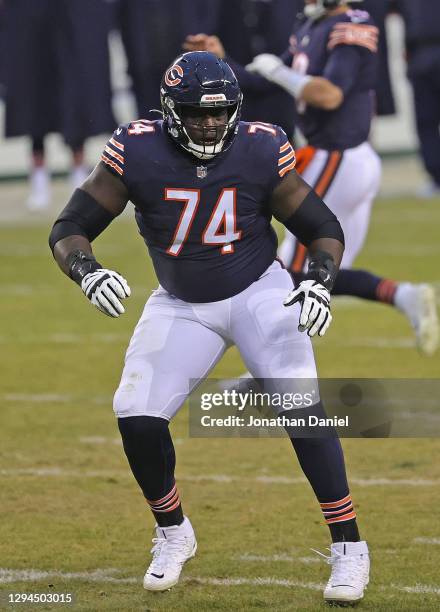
105, 289
315, 307
273, 69
265, 64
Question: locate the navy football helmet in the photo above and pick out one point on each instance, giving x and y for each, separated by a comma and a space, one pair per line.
318, 8
200, 80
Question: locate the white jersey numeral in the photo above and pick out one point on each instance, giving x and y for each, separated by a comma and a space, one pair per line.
143, 126
191, 197
301, 64
221, 228
263, 127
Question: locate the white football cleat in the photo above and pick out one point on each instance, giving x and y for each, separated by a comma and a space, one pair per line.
173, 546
418, 303
349, 578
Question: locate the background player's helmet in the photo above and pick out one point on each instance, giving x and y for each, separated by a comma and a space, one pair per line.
200, 80
318, 8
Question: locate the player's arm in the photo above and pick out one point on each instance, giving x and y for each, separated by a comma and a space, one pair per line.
92, 207
313, 90
349, 46
303, 213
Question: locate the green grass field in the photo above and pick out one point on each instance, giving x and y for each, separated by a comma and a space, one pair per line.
73, 520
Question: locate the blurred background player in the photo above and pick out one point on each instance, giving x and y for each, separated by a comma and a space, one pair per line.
385, 103
57, 79
330, 69
422, 39
151, 39
258, 27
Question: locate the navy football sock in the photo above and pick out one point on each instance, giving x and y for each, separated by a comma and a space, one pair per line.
322, 461
150, 453
361, 284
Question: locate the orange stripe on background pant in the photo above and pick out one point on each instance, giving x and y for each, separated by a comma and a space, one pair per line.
304, 158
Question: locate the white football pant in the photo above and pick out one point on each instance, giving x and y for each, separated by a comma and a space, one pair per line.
348, 181
176, 344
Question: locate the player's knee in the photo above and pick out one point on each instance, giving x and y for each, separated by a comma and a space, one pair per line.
130, 399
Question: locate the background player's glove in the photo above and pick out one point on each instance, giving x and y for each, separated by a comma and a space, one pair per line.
273, 69
315, 307
105, 289
265, 64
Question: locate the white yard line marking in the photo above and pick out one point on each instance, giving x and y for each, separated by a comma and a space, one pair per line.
374, 342
8, 575
61, 472
418, 588
48, 398
99, 440
426, 541
217, 478
274, 558
37, 398
262, 581
33, 575
65, 338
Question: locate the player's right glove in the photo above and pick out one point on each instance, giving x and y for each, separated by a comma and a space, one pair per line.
104, 288
315, 307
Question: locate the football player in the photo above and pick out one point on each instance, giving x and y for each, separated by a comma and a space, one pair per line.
330, 70
205, 186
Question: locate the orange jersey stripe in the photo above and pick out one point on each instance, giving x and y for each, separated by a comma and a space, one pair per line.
112, 164
354, 34
285, 147
287, 168
117, 144
287, 157
114, 154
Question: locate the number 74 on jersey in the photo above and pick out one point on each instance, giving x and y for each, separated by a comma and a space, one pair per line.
221, 227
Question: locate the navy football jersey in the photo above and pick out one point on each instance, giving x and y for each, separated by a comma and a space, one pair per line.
206, 223
342, 49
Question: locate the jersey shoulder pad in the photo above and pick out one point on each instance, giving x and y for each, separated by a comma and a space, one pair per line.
358, 16
354, 27
271, 144
258, 131
122, 140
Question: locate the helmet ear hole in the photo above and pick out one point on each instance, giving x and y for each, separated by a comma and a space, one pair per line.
200, 79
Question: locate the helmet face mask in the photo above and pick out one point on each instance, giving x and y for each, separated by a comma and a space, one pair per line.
201, 103
318, 8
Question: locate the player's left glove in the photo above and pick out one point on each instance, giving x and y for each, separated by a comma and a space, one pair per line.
265, 64
273, 69
315, 307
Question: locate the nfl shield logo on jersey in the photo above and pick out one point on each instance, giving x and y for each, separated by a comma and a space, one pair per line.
202, 171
